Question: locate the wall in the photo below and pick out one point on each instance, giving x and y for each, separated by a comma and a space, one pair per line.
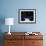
9, 8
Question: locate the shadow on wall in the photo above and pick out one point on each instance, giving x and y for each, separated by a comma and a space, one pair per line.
2, 21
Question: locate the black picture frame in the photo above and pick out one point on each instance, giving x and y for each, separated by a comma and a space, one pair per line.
26, 16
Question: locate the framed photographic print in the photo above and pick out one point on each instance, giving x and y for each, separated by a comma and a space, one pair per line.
27, 16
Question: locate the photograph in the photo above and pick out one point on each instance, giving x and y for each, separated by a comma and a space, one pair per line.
27, 16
